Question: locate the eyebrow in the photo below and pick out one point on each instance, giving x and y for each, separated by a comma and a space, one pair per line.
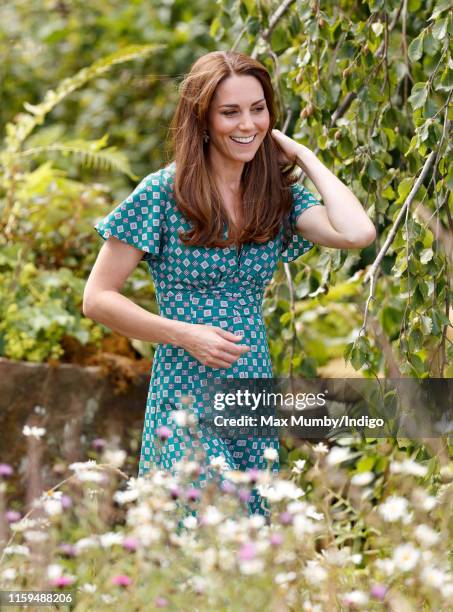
236, 105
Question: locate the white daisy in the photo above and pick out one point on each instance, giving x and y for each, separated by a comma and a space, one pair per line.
394, 508
362, 479
337, 455
270, 454
36, 432
426, 536
406, 557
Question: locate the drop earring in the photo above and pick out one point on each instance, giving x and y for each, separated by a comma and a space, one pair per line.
205, 136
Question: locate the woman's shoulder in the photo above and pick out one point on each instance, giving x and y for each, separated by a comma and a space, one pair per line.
161, 179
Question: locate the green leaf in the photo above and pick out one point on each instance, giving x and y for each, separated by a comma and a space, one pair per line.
345, 147
440, 8
377, 28
320, 97
285, 318
415, 340
418, 95
391, 136
404, 188
358, 358
365, 464
375, 170
417, 365
388, 193
400, 265
253, 26
415, 49
439, 320
216, 30
391, 320
426, 256
440, 29
427, 324
446, 80
449, 180
323, 141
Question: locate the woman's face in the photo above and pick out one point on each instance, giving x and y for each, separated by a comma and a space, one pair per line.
238, 111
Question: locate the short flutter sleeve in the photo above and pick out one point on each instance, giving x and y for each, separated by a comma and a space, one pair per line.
293, 244
137, 220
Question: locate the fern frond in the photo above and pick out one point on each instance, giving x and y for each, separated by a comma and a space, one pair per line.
18, 130
92, 154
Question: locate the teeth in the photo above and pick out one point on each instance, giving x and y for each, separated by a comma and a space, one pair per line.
244, 140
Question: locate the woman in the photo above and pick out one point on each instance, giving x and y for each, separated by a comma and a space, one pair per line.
212, 226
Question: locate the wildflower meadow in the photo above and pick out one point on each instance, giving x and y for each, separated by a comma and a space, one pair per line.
362, 524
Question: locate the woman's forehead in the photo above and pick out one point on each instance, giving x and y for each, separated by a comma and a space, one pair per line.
243, 90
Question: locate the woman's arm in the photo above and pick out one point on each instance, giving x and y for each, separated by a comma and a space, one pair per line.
341, 222
103, 302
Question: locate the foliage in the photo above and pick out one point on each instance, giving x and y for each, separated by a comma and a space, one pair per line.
41, 207
38, 308
369, 89
359, 526
48, 200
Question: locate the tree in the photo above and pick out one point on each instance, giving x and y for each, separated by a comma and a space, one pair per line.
368, 88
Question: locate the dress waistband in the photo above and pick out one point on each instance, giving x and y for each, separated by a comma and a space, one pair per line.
231, 298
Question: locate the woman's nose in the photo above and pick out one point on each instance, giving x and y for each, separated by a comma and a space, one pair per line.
246, 123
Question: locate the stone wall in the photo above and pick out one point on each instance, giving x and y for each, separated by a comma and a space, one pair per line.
75, 404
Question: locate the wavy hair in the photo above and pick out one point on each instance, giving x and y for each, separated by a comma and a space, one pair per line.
265, 181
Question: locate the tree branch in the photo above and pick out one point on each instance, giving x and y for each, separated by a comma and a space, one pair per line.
373, 270
273, 20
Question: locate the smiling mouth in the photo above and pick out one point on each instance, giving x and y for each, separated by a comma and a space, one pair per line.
243, 141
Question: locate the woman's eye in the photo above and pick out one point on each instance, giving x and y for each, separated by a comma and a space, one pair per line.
229, 113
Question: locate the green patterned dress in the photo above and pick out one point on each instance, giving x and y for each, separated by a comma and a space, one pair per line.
216, 286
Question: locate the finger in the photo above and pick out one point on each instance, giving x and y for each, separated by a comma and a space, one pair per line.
228, 335
229, 357
234, 349
220, 364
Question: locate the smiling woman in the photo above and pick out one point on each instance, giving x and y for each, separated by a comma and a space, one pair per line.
212, 226
227, 98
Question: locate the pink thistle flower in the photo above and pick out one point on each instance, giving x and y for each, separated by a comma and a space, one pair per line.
62, 581
175, 492
247, 552
163, 432
161, 602
69, 550
122, 580
228, 487
12, 516
379, 591
130, 544
276, 539
6, 470
193, 494
286, 518
98, 444
66, 501
244, 495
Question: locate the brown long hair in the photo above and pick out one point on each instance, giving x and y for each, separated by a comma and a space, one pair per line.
265, 182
